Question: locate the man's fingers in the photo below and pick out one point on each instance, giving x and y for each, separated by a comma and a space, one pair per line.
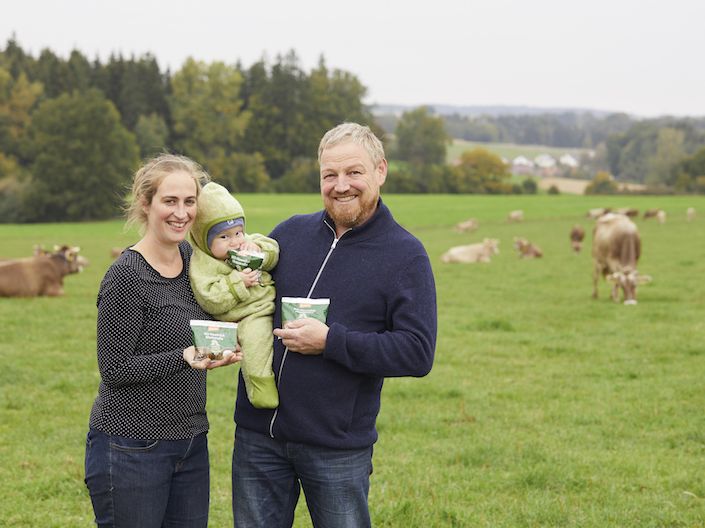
282, 332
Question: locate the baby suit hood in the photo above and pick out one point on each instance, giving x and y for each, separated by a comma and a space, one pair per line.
215, 205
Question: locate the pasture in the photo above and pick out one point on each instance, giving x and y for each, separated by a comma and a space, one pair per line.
545, 408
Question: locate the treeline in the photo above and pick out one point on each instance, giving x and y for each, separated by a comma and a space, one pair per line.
561, 129
73, 130
662, 153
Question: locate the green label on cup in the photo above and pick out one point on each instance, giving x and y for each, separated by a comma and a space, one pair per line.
213, 339
302, 308
241, 260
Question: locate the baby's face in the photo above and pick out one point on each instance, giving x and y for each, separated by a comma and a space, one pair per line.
232, 238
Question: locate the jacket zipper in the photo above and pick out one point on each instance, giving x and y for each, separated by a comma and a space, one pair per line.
310, 291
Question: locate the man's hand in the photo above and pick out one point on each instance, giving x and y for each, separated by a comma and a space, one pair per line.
305, 336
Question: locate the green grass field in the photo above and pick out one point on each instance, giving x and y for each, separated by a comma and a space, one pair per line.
544, 408
509, 150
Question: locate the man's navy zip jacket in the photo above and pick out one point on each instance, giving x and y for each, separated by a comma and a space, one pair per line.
382, 323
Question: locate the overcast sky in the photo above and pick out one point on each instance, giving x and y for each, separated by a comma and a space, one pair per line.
638, 56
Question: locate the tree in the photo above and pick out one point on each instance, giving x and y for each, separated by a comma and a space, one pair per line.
529, 186
669, 152
143, 91
480, 171
278, 128
333, 97
689, 174
18, 98
53, 73
602, 183
421, 137
152, 134
207, 110
83, 158
80, 72
240, 172
649, 150
14, 59
303, 176
291, 110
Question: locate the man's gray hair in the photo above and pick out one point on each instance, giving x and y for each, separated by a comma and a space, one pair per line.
356, 133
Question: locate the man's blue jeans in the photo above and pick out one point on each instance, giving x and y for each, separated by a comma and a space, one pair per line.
268, 475
148, 483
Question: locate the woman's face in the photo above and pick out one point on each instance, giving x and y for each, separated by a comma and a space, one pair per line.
173, 208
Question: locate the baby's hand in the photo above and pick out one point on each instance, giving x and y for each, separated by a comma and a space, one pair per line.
250, 277
248, 245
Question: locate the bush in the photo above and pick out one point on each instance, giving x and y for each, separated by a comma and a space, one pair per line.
303, 176
602, 183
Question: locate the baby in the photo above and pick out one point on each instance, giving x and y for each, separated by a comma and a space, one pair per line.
245, 297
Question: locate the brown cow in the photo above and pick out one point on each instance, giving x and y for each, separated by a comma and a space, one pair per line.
616, 247
629, 211
41, 274
597, 212
526, 249
577, 234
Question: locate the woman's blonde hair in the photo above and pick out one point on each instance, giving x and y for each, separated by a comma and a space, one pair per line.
147, 179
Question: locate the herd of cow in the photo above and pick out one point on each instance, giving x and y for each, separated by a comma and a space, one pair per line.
616, 247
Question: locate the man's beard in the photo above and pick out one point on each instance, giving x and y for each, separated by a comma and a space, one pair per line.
351, 217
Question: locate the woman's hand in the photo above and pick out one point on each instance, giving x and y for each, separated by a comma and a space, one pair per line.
206, 363
236, 357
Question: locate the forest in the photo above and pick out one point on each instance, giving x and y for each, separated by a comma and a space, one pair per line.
72, 131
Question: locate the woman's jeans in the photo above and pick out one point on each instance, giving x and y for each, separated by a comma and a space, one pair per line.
268, 475
148, 483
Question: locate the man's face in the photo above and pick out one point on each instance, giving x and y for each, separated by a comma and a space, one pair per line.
350, 184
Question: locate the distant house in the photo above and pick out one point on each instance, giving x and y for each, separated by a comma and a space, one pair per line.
545, 165
522, 165
568, 161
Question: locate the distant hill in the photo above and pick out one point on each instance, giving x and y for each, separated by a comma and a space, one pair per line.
494, 110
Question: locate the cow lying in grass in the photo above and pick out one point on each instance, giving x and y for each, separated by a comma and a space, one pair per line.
526, 249
515, 216
41, 274
481, 252
469, 225
616, 247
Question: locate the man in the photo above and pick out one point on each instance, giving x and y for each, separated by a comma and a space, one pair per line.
381, 322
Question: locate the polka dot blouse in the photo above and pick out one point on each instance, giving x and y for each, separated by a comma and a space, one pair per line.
147, 390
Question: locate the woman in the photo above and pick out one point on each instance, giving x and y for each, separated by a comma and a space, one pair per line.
146, 450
